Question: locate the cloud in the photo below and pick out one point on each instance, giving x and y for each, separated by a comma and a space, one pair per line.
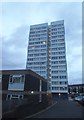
14, 49
18, 17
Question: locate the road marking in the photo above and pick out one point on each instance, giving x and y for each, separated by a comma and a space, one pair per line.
40, 111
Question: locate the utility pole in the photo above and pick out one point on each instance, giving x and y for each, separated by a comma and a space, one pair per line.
40, 87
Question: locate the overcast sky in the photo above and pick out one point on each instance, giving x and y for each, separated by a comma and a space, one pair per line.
17, 18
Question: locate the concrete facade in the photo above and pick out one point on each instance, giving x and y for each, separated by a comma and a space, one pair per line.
47, 54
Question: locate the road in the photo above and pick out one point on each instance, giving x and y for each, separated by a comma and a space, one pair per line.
62, 109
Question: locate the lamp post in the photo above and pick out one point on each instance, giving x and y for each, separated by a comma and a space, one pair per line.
40, 87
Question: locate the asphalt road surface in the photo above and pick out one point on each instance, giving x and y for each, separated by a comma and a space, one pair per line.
63, 109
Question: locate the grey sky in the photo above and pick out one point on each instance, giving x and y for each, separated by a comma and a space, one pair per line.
17, 17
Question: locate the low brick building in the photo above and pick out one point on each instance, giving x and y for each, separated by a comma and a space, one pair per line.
17, 84
23, 90
76, 88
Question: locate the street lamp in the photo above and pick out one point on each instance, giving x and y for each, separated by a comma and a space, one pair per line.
32, 92
40, 87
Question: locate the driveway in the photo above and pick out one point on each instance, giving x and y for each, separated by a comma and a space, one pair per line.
62, 109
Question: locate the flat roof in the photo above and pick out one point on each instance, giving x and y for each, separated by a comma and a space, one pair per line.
76, 85
23, 71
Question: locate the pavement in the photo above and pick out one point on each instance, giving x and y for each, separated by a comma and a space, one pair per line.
62, 109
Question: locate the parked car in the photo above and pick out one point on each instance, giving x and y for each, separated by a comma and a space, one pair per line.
78, 98
73, 95
82, 101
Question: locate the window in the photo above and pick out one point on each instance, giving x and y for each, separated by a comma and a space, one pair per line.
54, 66
54, 29
43, 42
43, 50
62, 71
60, 36
57, 53
54, 36
61, 48
55, 88
54, 77
63, 88
54, 33
8, 97
43, 54
54, 44
60, 40
14, 96
55, 82
61, 62
54, 48
43, 45
55, 72
16, 79
61, 57
54, 62
55, 57
53, 41
63, 66
62, 77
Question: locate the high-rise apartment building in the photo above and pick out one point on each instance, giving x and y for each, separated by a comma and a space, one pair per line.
37, 59
47, 54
